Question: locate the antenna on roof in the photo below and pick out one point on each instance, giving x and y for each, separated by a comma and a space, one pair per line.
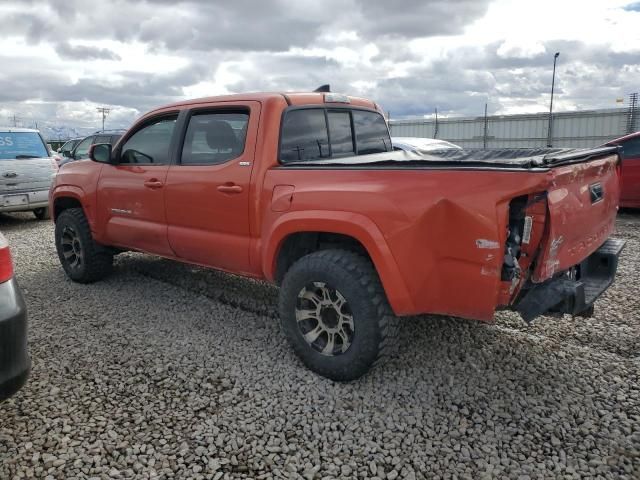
323, 88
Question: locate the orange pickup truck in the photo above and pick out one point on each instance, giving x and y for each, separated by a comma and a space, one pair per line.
304, 190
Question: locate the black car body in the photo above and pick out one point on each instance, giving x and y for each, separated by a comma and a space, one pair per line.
14, 356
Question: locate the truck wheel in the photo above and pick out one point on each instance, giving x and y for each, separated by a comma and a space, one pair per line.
83, 260
335, 314
42, 213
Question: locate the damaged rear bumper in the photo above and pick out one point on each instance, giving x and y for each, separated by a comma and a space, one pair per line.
576, 293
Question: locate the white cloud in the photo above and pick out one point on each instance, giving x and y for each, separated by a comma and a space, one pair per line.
61, 59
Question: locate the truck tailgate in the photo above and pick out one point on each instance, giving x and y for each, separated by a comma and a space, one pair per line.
582, 200
25, 175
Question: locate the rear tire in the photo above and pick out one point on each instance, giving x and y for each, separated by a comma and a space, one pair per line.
335, 314
83, 260
42, 213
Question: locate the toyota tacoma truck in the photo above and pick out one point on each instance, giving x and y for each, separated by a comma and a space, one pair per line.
304, 190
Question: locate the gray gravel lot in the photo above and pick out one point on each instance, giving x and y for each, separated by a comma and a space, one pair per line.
170, 371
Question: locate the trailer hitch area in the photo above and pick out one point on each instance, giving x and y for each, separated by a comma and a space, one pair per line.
575, 291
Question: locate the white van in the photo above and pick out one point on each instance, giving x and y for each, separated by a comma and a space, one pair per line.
26, 170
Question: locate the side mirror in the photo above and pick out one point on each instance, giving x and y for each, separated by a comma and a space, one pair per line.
100, 152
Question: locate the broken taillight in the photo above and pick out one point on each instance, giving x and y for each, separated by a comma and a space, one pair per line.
6, 265
527, 219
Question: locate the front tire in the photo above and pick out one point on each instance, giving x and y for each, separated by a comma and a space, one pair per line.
335, 314
42, 213
83, 260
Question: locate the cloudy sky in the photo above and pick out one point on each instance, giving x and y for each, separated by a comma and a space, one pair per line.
63, 58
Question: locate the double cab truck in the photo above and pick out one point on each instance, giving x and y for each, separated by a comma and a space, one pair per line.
304, 190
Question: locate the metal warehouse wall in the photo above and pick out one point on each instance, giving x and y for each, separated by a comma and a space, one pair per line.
570, 129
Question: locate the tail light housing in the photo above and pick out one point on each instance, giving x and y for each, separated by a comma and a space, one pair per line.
6, 264
525, 228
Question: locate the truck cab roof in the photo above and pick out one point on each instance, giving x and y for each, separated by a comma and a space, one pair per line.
292, 98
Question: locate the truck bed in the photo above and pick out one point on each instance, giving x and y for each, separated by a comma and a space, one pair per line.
483, 159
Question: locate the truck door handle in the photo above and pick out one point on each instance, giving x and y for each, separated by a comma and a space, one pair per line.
229, 188
153, 183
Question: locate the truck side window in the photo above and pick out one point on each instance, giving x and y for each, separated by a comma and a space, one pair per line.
214, 138
150, 144
304, 135
82, 150
372, 134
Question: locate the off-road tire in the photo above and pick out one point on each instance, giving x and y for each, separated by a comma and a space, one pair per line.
97, 260
375, 326
42, 213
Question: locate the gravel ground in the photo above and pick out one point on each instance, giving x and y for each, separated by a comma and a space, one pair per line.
169, 371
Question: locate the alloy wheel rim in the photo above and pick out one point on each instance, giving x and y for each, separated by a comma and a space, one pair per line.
72, 248
325, 319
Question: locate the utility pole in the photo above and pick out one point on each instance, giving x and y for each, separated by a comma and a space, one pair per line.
486, 128
104, 111
632, 113
553, 81
435, 131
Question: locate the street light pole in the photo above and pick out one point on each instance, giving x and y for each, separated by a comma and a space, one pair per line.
553, 81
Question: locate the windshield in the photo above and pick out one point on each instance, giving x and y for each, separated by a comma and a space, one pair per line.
21, 145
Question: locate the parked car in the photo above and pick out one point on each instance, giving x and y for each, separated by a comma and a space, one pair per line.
26, 170
303, 190
418, 144
66, 149
14, 356
630, 190
81, 149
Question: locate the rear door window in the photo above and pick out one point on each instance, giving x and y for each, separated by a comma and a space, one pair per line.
102, 139
214, 138
372, 134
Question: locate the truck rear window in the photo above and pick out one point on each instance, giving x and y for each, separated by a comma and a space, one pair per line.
319, 133
21, 145
372, 134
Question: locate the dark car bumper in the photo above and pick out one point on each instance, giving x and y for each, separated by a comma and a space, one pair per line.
575, 296
14, 356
